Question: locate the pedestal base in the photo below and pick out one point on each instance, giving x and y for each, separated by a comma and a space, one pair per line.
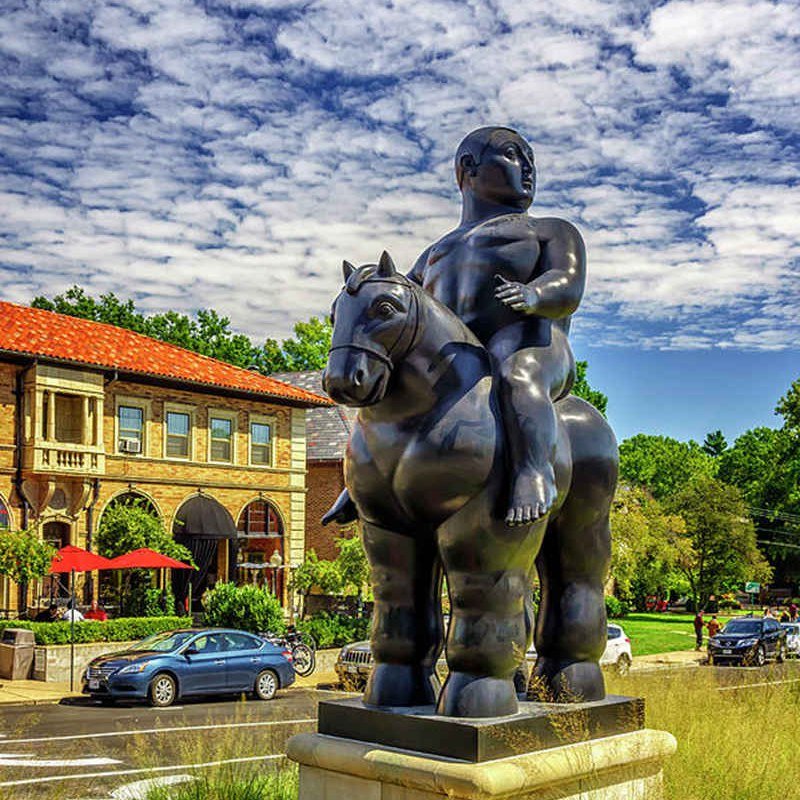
627, 766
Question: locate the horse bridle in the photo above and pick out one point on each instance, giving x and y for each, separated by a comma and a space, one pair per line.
390, 354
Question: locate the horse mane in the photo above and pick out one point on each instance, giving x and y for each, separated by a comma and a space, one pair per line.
367, 271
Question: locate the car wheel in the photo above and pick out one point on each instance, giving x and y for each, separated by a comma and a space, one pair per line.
760, 657
266, 685
163, 690
623, 664
781, 655
303, 659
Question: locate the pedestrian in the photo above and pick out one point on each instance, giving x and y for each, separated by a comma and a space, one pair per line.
784, 615
793, 611
96, 613
72, 613
698, 629
713, 627
50, 614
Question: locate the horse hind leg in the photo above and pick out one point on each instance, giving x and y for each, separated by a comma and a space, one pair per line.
406, 621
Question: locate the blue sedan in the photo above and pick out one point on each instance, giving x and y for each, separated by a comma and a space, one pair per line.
166, 666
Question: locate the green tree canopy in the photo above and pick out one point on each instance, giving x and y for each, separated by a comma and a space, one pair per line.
307, 350
714, 444
582, 388
722, 553
646, 546
24, 557
662, 464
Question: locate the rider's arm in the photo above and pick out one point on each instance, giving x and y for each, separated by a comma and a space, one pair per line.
563, 264
557, 290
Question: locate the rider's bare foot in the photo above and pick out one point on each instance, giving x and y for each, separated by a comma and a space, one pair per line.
532, 496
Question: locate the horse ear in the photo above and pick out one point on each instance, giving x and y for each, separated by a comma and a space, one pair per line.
348, 269
386, 267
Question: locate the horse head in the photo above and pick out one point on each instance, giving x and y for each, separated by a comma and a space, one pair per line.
375, 325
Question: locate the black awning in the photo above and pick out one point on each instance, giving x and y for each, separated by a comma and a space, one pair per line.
203, 518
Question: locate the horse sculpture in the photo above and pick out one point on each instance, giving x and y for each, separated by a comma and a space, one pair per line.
426, 470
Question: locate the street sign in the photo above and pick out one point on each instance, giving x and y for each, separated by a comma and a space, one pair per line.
751, 587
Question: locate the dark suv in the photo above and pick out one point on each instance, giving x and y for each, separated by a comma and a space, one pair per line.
748, 641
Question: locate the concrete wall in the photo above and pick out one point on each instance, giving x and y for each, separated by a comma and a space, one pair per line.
51, 663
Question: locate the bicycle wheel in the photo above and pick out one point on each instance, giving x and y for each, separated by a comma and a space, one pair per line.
304, 659
308, 640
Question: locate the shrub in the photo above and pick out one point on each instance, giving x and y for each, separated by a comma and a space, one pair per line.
248, 607
616, 608
334, 630
124, 629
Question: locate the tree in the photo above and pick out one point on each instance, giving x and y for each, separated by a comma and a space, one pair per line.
127, 526
24, 557
722, 553
646, 546
714, 444
581, 388
662, 464
308, 350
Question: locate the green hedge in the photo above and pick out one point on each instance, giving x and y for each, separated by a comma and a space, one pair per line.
616, 608
334, 630
124, 629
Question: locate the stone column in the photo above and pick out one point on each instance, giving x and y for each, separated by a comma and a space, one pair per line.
51, 416
85, 427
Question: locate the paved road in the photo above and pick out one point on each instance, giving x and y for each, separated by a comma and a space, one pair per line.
84, 750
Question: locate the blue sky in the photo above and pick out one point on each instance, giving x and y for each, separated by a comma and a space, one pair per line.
230, 153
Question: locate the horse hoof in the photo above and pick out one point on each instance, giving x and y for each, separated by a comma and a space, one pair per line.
399, 685
556, 681
466, 695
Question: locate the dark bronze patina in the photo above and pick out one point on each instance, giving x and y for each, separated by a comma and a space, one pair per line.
469, 456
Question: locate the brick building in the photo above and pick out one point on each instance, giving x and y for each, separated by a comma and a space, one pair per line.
327, 433
91, 414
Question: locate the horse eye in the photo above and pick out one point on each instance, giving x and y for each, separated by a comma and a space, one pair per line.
385, 309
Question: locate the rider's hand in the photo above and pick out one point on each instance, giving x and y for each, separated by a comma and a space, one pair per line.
517, 296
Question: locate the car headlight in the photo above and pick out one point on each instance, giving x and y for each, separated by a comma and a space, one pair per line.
747, 642
134, 668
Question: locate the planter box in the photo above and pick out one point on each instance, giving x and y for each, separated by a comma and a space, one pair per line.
51, 662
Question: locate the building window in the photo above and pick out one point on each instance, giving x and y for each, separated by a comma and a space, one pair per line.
5, 521
260, 537
260, 443
69, 418
179, 428
131, 429
221, 439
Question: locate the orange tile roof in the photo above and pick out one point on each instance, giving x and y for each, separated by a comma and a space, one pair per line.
33, 332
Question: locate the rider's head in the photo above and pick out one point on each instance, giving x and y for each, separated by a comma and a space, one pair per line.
496, 164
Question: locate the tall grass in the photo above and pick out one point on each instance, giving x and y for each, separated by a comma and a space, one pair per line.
234, 784
733, 744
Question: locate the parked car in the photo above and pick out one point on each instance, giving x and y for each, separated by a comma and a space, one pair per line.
616, 655
355, 662
166, 666
748, 641
792, 638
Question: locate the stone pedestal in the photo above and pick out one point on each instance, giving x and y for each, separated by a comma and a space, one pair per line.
625, 766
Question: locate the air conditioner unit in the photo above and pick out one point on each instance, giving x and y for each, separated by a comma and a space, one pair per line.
130, 446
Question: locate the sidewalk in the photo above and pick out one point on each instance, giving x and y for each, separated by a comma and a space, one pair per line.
34, 693
677, 658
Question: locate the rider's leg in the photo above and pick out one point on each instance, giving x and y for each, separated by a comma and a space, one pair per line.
406, 622
531, 377
573, 564
488, 571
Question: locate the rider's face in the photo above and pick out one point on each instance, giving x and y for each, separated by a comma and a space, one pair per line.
505, 174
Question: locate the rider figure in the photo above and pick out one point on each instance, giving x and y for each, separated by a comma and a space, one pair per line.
515, 281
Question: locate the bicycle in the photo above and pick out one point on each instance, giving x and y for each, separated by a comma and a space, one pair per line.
301, 646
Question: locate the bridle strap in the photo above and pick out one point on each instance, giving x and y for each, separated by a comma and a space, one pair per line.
386, 357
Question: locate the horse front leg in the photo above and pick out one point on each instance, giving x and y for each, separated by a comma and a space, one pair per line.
488, 567
407, 619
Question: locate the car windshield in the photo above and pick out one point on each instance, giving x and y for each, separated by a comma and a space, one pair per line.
743, 626
163, 642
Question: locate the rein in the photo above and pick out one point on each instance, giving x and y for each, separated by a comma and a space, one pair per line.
387, 357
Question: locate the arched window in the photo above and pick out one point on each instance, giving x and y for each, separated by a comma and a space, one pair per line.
260, 538
5, 517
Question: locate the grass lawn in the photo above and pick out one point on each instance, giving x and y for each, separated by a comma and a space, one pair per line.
662, 633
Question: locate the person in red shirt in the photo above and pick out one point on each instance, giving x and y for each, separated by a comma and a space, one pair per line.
96, 613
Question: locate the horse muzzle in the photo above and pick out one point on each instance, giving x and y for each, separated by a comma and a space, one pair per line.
354, 378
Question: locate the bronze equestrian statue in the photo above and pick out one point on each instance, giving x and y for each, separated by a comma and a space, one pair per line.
469, 458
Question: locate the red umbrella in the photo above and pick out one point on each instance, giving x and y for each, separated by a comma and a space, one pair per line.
76, 559
144, 558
